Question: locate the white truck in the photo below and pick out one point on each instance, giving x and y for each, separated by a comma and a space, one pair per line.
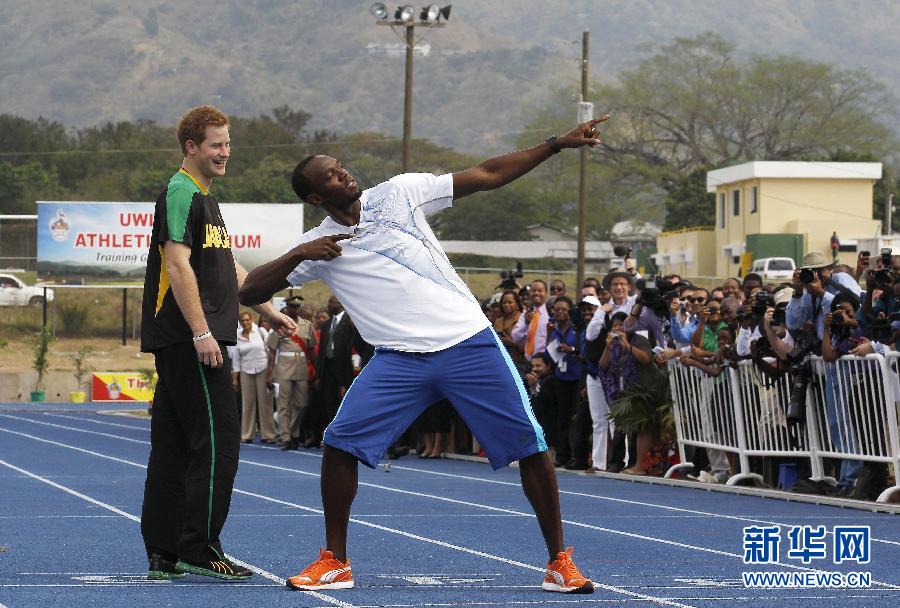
13, 292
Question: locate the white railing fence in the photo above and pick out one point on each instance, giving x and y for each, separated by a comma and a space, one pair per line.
852, 410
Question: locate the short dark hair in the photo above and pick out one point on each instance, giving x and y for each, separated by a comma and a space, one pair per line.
565, 299
752, 276
619, 316
591, 281
301, 184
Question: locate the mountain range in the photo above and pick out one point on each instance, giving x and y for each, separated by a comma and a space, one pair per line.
478, 80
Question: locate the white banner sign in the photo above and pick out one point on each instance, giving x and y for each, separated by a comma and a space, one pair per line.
109, 242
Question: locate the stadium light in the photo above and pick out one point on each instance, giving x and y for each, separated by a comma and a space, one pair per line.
405, 16
379, 10
404, 13
430, 13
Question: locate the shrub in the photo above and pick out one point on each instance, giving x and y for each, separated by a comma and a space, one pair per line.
73, 317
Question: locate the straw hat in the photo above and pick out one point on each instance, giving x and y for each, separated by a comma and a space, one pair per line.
816, 259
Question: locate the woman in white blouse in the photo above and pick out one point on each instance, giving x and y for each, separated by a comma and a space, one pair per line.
248, 370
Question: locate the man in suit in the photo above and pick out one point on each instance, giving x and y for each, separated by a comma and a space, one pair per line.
334, 365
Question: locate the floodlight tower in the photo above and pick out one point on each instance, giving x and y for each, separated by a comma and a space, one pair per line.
404, 16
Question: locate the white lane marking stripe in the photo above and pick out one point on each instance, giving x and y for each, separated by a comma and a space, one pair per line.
447, 545
467, 503
500, 482
483, 506
357, 521
135, 518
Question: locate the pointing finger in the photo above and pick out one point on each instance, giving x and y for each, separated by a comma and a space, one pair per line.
598, 120
341, 237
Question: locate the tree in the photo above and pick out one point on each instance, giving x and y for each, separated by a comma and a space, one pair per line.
693, 105
688, 204
22, 185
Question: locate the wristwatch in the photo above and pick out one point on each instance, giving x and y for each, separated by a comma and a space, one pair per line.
554, 145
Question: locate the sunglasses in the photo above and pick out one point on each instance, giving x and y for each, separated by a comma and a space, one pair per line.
700, 299
557, 289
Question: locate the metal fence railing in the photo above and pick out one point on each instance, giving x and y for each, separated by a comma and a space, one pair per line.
852, 412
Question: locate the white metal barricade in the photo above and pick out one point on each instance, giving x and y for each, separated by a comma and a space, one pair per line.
852, 411
763, 403
706, 416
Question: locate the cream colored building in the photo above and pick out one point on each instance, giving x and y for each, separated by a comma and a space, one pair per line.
809, 199
687, 252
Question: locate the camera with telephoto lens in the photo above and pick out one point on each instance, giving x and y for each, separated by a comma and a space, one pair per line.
779, 317
884, 278
801, 370
801, 376
807, 276
508, 277
653, 294
761, 302
881, 328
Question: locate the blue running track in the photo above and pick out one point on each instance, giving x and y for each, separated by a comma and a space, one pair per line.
424, 533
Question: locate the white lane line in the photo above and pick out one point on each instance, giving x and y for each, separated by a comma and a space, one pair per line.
694, 512
264, 573
513, 512
144, 583
103, 422
440, 543
467, 503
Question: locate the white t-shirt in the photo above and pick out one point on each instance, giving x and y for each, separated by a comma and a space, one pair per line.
393, 277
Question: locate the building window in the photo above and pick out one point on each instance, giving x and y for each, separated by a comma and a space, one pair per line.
754, 199
721, 210
736, 202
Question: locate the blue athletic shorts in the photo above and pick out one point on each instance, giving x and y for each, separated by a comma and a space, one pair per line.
476, 376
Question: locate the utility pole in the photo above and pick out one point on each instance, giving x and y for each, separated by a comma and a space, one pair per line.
407, 95
405, 16
888, 213
582, 195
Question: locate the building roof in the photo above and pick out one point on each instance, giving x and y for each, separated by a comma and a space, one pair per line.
593, 250
791, 170
573, 234
635, 228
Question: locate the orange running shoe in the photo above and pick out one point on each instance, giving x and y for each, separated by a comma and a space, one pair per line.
565, 577
324, 573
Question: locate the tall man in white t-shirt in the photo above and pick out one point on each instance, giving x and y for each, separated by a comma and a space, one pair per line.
377, 253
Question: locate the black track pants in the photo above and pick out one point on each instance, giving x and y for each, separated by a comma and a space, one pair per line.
195, 445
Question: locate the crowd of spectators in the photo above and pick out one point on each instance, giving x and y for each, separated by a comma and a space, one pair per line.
592, 361
580, 360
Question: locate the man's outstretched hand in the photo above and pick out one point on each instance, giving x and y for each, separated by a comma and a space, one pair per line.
585, 134
324, 248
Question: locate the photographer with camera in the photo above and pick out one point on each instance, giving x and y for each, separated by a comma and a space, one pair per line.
650, 313
842, 331
750, 320
619, 370
684, 319
879, 315
814, 288
773, 325
814, 292
705, 340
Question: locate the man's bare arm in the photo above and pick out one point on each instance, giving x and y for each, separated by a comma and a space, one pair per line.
270, 278
187, 295
501, 170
